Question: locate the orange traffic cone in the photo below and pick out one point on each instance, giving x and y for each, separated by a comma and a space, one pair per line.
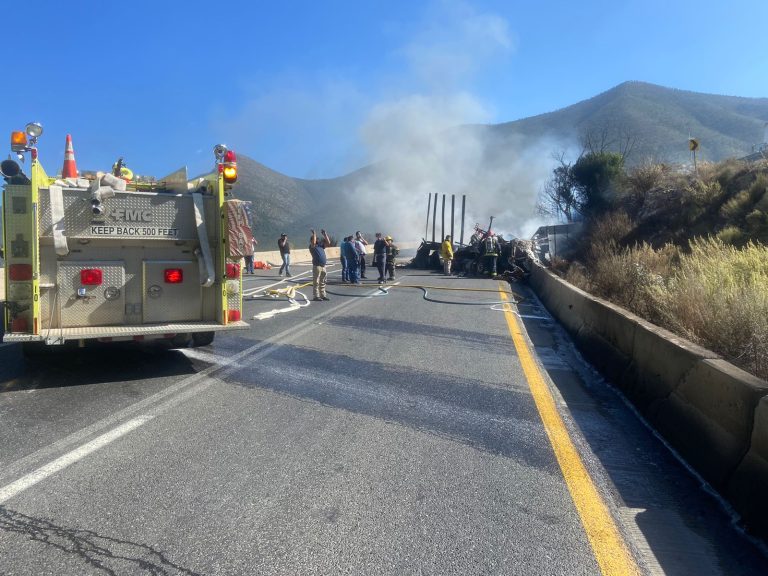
70, 168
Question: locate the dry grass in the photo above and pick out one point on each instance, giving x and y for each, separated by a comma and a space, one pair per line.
716, 295
711, 285
719, 297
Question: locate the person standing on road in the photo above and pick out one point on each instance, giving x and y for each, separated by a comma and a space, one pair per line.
249, 257
380, 255
285, 254
446, 253
353, 260
344, 263
391, 254
319, 260
360, 244
491, 249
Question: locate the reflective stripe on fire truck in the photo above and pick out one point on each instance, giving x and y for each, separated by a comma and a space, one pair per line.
57, 217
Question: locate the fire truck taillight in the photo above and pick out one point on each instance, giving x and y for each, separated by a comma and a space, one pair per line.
229, 167
174, 275
233, 315
233, 270
91, 277
20, 272
18, 141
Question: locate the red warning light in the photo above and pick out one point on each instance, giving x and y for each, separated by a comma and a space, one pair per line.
174, 275
90, 277
20, 272
233, 270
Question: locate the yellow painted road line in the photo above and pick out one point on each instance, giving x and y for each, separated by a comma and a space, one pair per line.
610, 550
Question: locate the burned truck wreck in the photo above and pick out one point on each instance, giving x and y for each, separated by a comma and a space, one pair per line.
513, 257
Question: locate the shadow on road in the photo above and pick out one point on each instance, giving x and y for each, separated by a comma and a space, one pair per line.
473, 339
495, 419
115, 362
109, 555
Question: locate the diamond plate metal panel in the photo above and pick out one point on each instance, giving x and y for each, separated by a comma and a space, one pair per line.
97, 307
139, 215
165, 302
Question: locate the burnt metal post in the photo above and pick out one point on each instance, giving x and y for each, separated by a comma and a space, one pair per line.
463, 203
453, 207
442, 229
429, 207
434, 217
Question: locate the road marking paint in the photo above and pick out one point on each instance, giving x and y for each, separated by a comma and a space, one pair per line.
153, 405
608, 546
12, 489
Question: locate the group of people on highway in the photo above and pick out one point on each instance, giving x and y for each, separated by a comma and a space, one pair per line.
353, 251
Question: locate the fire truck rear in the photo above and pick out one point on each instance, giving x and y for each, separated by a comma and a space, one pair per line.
101, 258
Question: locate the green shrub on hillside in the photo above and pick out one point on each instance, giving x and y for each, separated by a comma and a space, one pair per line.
730, 235
712, 290
737, 207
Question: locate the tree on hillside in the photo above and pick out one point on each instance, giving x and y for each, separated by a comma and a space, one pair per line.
601, 140
587, 187
558, 198
594, 177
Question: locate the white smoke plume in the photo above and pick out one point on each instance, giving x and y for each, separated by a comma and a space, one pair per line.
422, 142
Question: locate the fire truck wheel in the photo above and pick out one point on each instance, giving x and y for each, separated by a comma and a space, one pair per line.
33, 350
180, 341
202, 338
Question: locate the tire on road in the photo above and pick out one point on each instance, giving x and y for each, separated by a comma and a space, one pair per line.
202, 338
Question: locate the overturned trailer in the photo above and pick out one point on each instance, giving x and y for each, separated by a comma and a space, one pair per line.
513, 260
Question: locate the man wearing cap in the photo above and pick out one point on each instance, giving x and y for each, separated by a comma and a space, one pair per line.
285, 254
380, 255
392, 252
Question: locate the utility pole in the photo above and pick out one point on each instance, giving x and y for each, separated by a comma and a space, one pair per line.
693, 145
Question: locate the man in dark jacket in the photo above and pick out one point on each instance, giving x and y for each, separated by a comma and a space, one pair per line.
319, 260
285, 254
353, 262
380, 255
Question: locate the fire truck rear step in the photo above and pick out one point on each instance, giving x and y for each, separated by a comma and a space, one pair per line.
57, 335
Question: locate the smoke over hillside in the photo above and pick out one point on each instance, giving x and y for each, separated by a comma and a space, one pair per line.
413, 134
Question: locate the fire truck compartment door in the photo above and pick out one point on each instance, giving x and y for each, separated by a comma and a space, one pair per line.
165, 301
91, 305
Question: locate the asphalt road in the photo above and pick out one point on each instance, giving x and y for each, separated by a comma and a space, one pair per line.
378, 433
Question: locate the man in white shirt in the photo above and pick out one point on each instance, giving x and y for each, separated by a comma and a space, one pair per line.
360, 244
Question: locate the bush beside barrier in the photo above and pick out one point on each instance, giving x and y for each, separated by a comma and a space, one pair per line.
712, 413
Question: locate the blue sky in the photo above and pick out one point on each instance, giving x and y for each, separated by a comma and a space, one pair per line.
306, 87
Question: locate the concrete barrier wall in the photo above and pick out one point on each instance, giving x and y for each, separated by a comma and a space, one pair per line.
714, 414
